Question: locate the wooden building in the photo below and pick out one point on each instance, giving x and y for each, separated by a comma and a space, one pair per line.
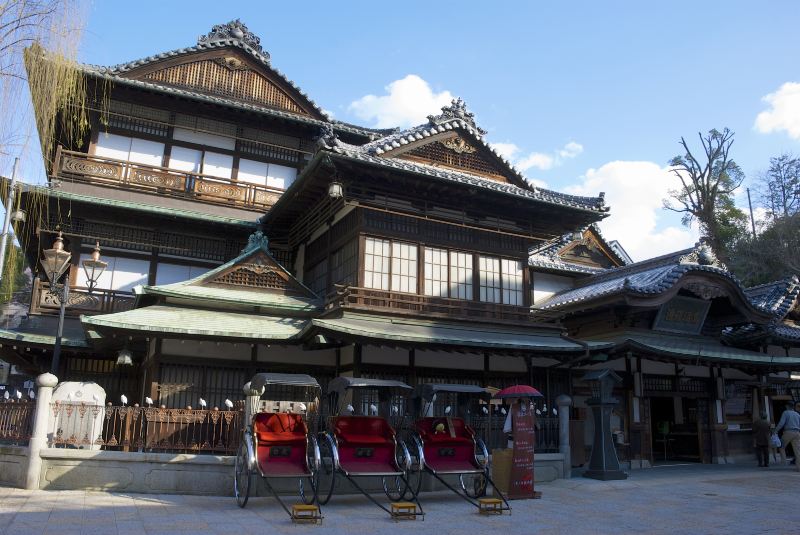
246, 231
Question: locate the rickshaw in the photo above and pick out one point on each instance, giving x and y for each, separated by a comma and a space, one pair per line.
276, 441
445, 445
363, 443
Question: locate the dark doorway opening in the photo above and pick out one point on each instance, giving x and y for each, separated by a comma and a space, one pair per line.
676, 427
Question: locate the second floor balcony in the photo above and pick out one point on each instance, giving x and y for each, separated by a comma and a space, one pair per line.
162, 181
80, 301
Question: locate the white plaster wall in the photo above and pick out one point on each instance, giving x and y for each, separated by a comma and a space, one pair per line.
384, 355
443, 359
545, 285
696, 371
296, 355
211, 350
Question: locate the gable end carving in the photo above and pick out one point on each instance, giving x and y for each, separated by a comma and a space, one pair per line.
258, 272
456, 153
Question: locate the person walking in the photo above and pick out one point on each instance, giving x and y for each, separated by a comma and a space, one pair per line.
790, 424
761, 436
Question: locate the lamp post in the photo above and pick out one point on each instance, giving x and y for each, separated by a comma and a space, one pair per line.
56, 263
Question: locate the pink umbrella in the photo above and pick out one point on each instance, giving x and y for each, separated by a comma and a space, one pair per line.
518, 391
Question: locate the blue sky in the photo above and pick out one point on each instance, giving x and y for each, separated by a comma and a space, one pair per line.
585, 96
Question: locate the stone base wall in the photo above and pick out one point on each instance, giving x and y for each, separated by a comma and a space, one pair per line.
13, 464
159, 473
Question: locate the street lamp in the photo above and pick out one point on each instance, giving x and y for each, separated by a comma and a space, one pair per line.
56, 263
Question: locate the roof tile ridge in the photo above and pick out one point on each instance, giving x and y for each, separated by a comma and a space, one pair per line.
635, 268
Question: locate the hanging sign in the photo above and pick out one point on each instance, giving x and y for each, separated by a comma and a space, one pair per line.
521, 484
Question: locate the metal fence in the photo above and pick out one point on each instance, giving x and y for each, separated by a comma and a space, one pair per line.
490, 428
145, 429
16, 422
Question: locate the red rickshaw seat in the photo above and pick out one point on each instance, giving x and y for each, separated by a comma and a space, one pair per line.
366, 444
279, 429
461, 432
367, 430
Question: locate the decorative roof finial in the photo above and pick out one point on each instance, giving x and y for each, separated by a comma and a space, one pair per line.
257, 240
237, 30
456, 110
327, 138
702, 255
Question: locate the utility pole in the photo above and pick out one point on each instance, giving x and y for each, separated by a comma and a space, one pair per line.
752, 221
7, 220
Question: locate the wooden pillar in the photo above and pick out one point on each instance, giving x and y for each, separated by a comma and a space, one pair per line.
412, 367
357, 360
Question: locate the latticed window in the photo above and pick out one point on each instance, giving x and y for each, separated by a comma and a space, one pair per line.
376, 263
512, 282
489, 270
343, 264
435, 272
138, 118
404, 267
460, 275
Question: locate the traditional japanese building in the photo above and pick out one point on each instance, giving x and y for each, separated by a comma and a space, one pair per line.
246, 231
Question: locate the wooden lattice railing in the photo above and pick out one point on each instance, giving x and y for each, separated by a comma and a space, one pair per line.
414, 304
80, 301
145, 429
164, 181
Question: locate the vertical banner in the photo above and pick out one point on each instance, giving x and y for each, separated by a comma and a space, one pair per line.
523, 421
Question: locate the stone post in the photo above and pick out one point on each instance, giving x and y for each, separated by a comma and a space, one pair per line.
564, 402
251, 402
41, 419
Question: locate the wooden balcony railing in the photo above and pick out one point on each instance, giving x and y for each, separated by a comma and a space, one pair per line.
80, 300
350, 297
80, 167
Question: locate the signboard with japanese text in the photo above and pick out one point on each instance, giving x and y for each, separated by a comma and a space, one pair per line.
682, 315
523, 423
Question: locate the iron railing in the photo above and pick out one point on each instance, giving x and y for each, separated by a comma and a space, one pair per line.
16, 422
145, 429
490, 428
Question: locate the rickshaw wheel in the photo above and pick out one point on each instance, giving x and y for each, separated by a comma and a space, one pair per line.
396, 491
327, 471
242, 478
414, 475
312, 457
473, 485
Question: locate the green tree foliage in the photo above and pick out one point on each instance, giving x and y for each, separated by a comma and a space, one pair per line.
706, 193
14, 277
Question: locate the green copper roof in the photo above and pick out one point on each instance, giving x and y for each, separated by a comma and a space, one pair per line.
239, 296
698, 347
410, 331
10, 336
160, 210
165, 320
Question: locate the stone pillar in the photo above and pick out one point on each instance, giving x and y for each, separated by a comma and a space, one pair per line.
564, 402
41, 419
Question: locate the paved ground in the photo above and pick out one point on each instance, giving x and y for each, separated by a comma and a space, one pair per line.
674, 500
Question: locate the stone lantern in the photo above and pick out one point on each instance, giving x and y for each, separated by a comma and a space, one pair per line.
603, 463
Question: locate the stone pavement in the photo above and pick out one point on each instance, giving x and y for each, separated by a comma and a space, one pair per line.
678, 499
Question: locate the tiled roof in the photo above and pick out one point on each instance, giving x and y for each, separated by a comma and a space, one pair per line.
777, 297
649, 277
547, 255
354, 152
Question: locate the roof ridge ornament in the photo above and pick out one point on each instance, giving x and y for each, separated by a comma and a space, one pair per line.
327, 138
237, 30
457, 110
257, 240
702, 255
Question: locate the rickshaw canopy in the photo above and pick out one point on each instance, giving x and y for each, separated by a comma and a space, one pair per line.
340, 384
261, 380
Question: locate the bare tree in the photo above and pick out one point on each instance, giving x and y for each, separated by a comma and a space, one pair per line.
706, 192
779, 186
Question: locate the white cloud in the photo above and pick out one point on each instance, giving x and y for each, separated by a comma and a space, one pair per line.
634, 191
546, 161
571, 150
407, 102
783, 113
537, 160
506, 150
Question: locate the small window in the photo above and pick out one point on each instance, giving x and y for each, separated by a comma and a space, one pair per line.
461, 275
376, 263
512, 282
435, 272
404, 267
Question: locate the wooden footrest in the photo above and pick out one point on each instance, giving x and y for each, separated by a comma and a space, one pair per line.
406, 510
490, 506
306, 513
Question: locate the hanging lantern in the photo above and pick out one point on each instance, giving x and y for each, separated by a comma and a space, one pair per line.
125, 357
94, 267
56, 260
335, 190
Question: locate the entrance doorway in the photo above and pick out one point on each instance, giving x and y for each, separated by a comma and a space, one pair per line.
677, 429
